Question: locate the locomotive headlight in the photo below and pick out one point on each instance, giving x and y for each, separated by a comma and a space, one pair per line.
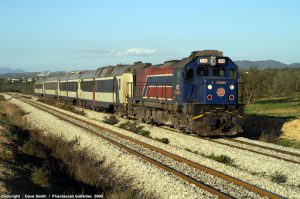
231, 86
209, 86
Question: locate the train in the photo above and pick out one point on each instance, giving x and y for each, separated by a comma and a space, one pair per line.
198, 94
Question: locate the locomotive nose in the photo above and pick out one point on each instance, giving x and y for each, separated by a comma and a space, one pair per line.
220, 92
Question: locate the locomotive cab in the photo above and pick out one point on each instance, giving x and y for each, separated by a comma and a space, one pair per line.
211, 94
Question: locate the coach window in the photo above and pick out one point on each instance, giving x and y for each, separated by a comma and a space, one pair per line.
202, 71
189, 74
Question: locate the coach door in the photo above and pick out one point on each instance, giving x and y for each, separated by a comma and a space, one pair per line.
115, 90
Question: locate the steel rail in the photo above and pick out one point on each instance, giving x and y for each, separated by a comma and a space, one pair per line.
264, 147
253, 151
252, 188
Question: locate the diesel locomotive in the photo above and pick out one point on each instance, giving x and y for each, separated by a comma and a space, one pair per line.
198, 94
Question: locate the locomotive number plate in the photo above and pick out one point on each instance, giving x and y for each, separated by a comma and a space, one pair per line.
220, 92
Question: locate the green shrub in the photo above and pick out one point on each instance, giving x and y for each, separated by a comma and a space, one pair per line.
221, 158
69, 107
40, 177
144, 133
2, 98
163, 140
112, 120
131, 126
279, 177
32, 148
288, 143
65, 105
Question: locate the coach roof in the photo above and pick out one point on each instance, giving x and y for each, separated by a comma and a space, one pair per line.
72, 75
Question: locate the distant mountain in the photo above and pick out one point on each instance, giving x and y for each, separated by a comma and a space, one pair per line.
265, 64
7, 70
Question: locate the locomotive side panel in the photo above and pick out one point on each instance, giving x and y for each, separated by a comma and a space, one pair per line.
155, 83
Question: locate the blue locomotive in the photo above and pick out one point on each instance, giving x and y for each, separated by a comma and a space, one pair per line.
197, 94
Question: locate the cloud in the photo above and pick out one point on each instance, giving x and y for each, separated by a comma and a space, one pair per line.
138, 52
95, 53
141, 52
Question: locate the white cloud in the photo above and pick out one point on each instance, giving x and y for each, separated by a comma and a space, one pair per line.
141, 52
96, 53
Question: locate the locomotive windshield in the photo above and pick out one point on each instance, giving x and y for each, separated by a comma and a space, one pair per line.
215, 71
219, 71
202, 71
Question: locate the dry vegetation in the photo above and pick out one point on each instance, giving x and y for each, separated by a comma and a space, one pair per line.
18, 87
51, 164
59, 104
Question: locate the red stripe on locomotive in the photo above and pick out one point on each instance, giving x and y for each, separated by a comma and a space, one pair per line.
160, 92
153, 92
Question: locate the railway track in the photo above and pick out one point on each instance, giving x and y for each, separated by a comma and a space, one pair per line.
82, 123
264, 147
245, 144
259, 147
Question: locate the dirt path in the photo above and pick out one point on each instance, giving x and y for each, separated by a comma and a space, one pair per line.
291, 130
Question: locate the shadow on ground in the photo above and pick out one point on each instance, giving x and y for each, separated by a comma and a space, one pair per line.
264, 128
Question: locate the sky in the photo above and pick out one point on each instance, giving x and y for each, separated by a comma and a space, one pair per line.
65, 35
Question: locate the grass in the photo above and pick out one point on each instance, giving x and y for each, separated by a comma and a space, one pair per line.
266, 118
138, 129
48, 164
40, 177
277, 107
135, 128
112, 120
219, 158
163, 140
288, 143
14, 114
278, 178
2, 98
63, 105
25, 88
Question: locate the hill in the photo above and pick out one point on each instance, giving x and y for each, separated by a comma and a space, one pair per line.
265, 64
7, 70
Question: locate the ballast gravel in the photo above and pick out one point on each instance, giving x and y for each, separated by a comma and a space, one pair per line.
146, 177
274, 146
261, 150
251, 167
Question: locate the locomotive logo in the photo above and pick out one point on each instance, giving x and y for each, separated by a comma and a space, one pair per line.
220, 92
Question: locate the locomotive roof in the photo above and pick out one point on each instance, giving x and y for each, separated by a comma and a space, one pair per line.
181, 63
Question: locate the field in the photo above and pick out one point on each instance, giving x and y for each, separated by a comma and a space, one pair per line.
277, 107
26, 88
275, 120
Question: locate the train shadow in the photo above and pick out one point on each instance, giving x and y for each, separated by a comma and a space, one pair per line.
264, 128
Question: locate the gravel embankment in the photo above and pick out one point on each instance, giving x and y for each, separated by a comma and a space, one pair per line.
145, 176
253, 168
261, 150
274, 146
